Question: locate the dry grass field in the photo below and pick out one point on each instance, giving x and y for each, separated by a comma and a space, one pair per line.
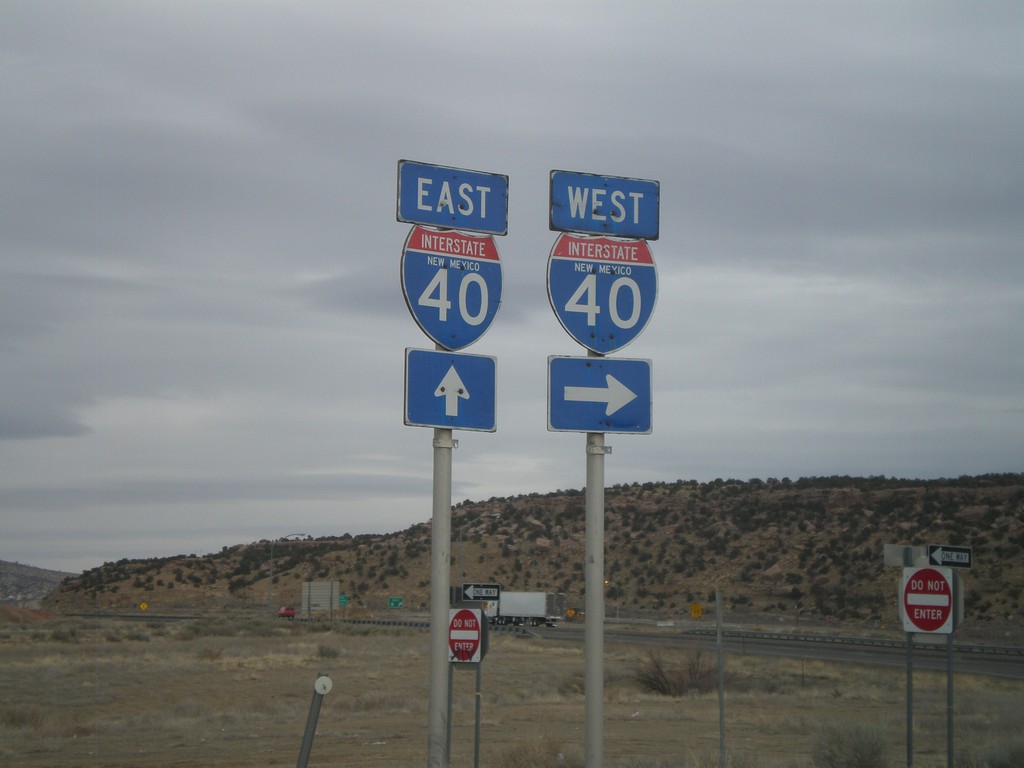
236, 692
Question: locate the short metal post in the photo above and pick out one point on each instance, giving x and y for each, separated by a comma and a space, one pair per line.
321, 686
910, 699
476, 729
949, 700
448, 716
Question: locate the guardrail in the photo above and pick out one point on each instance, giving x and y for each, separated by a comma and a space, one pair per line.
878, 642
426, 625
137, 616
408, 623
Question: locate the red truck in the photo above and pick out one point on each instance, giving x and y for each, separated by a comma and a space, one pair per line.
286, 612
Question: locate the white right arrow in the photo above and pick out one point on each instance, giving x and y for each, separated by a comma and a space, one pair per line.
615, 395
451, 389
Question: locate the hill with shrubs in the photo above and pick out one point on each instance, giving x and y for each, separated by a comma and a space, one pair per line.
797, 549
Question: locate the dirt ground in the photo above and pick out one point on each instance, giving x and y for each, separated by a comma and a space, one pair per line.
219, 693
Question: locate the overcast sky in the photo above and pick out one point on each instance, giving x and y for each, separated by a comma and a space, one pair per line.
202, 326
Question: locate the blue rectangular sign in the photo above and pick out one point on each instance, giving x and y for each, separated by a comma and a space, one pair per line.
604, 205
453, 198
449, 390
599, 394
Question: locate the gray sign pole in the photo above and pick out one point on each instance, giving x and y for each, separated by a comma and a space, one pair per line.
593, 628
721, 678
476, 719
440, 563
949, 700
910, 699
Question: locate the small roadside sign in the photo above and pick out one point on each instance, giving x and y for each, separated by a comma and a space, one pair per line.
396, 602
927, 600
952, 557
481, 591
696, 610
465, 635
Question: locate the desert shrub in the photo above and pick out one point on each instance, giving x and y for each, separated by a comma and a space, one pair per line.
208, 627
22, 716
1009, 755
848, 746
572, 685
209, 653
64, 635
327, 652
656, 676
545, 751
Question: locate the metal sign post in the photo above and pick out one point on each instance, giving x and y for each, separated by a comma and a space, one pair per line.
467, 646
910, 700
593, 627
721, 678
321, 687
602, 286
440, 557
452, 285
931, 602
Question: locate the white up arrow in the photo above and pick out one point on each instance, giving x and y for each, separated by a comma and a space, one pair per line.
615, 395
451, 389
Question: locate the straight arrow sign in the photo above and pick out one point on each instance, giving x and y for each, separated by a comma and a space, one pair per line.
449, 390
452, 390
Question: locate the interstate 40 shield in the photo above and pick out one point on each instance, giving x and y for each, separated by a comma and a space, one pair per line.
452, 284
602, 289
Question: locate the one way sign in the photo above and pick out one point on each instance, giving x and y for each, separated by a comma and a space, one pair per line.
481, 591
952, 557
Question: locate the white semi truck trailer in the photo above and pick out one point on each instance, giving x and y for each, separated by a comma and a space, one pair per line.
529, 608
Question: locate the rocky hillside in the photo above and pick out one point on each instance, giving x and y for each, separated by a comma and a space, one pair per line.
25, 585
805, 548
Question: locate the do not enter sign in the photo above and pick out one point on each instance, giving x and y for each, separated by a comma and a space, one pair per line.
927, 600
465, 635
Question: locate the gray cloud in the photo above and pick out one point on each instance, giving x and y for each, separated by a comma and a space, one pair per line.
201, 317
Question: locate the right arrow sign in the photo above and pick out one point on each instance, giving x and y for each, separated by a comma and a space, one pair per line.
599, 394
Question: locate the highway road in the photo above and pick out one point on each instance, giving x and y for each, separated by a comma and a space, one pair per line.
997, 661
969, 659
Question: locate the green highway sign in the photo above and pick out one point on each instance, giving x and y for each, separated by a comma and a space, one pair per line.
342, 601
396, 602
